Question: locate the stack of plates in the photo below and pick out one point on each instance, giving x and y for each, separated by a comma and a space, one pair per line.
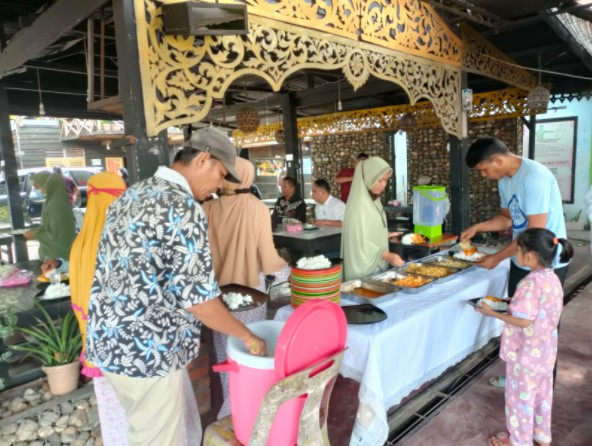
323, 284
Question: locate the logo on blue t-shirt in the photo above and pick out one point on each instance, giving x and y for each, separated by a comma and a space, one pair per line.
519, 219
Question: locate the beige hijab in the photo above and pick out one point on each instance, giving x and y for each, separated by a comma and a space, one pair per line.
239, 227
364, 238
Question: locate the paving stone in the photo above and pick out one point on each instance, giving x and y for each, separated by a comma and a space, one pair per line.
78, 418
82, 405
27, 430
68, 435
45, 431
10, 429
31, 395
7, 440
66, 408
54, 439
63, 421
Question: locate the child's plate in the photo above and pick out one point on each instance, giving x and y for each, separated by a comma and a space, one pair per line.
473, 302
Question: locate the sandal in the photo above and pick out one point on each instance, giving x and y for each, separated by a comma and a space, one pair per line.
499, 439
498, 381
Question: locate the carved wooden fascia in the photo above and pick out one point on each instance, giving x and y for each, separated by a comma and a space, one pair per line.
479, 56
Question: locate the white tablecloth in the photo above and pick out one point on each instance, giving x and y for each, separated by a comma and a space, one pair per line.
424, 334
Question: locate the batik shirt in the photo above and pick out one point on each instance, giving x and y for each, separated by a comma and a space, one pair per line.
538, 298
153, 263
295, 207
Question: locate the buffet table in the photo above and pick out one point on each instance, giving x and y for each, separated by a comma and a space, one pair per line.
424, 334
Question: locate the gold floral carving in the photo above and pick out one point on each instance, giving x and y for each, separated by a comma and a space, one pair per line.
502, 104
481, 57
410, 26
181, 76
341, 17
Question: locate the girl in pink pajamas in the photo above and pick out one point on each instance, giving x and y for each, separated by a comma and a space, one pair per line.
529, 340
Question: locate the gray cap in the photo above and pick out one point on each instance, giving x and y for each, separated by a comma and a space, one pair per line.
218, 144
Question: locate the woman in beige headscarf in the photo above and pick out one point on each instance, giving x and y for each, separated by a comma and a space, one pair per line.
239, 227
365, 236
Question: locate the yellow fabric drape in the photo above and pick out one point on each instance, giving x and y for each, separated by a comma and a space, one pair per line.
103, 189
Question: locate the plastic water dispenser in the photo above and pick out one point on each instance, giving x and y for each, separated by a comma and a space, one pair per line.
430, 206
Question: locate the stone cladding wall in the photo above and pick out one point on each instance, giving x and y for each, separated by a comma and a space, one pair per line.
332, 153
428, 156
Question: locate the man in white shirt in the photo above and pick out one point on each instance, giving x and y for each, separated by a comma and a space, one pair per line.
328, 210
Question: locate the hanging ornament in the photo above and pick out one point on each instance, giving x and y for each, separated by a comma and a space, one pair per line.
247, 120
538, 100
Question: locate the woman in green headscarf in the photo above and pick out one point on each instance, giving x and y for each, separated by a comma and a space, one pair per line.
365, 236
57, 230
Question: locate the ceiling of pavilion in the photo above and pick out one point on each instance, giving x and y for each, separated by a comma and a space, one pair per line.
530, 31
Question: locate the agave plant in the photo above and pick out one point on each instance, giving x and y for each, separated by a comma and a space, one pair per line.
53, 344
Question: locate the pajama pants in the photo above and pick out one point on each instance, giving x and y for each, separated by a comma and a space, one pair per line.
529, 398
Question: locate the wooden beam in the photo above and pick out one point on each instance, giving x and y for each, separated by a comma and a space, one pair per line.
574, 46
29, 42
64, 68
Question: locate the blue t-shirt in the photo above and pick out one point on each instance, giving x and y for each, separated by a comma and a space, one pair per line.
533, 190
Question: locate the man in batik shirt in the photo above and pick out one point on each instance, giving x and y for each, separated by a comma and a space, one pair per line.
154, 286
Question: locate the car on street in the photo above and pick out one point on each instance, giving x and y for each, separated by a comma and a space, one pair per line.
25, 190
80, 175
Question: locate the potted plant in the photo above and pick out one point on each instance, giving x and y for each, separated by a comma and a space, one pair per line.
57, 344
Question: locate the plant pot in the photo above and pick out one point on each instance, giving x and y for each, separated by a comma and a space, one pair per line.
575, 225
63, 379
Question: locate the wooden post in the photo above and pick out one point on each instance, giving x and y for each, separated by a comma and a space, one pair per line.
146, 153
459, 175
293, 153
15, 203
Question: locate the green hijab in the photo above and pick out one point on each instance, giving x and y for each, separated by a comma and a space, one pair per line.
364, 237
57, 231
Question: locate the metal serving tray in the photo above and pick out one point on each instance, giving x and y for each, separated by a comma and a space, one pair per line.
387, 289
392, 275
450, 271
442, 259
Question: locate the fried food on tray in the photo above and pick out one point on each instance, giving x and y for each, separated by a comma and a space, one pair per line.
411, 281
451, 263
429, 270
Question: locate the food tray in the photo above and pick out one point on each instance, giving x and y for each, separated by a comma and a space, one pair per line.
387, 289
449, 262
449, 272
390, 276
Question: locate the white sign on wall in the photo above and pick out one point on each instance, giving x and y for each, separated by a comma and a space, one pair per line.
555, 147
96, 162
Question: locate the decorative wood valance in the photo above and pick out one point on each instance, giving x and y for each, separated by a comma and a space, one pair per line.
182, 75
502, 104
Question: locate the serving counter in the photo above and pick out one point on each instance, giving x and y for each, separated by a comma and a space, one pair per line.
425, 333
